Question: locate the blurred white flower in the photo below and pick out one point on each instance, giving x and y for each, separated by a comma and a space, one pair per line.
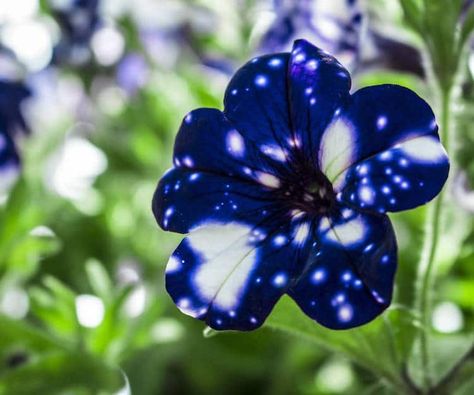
447, 318
89, 310
14, 302
31, 41
136, 301
71, 172
108, 45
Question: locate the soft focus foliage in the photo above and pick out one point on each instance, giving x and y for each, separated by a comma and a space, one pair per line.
82, 299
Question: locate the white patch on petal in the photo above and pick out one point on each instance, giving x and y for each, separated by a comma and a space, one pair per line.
366, 195
324, 224
268, 179
235, 143
336, 151
423, 149
349, 233
274, 152
227, 261
345, 313
174, 265
301, 233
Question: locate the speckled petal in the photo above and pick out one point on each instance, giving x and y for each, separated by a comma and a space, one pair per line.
230, 275
348, 278
185, 198
256, 101
208, 142
398, 162
318, 87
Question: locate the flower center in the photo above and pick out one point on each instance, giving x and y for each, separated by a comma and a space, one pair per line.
310, 191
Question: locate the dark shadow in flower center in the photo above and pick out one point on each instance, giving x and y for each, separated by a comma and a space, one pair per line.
308, 190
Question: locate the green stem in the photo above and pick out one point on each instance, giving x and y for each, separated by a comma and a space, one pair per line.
430, 244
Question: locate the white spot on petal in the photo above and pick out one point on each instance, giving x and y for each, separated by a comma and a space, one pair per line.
173, 265
381, 122
268, 179
345, 313
261, 80
275, 62
424, 149
301, 233
280, 280
274, 152
366, 195
235, 143
349, 233
318, 276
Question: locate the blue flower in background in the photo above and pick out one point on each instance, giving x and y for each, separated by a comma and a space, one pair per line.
339, 27
13, 92
78, 19
9, 161
12, 122
334, 26
286, 191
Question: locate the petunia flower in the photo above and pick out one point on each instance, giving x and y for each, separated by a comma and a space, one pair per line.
286, 192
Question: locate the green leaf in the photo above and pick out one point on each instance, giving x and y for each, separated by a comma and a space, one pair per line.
467, 27
371, 346
412, 12
59, 371
445, 353
15, 333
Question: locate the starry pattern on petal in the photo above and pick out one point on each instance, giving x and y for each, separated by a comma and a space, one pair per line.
208, 142
285, 192
318, 87
185, 198
256, 102
398, 161
348, 278
406, 176
221, 273
383, 116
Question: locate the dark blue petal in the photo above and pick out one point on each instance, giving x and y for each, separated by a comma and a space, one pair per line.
348, 278
187, 198
395, 160
12, 95
408, 175
318, 86
231, 275
256, 101
207, 141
